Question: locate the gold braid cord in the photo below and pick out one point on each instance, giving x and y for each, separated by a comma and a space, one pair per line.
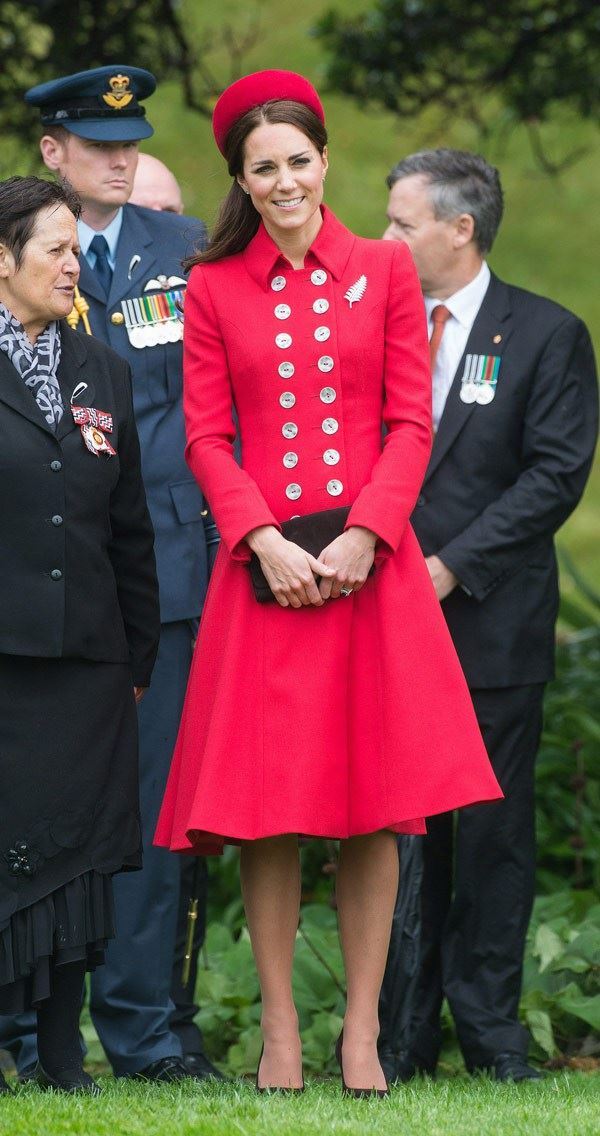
79, 311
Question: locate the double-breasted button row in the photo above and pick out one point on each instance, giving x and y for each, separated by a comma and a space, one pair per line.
327, 395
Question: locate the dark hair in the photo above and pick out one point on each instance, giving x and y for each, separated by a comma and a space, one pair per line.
238, 220
21, 199
460, 182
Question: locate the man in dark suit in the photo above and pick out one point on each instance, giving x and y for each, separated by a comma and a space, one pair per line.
515, 418
131, 280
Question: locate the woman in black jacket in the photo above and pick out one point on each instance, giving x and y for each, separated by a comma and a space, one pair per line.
79, 627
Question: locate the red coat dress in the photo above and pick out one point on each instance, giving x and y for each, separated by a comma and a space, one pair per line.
354, 716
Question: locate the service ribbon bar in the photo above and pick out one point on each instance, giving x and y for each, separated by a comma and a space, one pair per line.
480, 378
154, 318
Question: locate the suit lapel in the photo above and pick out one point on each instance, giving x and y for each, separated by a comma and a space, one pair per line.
19, 397
493, 319
70, 377
135, 257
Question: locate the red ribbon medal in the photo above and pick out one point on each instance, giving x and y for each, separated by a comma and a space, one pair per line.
92, 424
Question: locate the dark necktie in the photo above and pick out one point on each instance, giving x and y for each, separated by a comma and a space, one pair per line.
102, 268
439, 316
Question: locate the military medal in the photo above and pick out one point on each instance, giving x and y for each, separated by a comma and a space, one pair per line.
151, 319
92, 424
479, 379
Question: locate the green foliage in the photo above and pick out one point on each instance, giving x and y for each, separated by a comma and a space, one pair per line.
561, 986
57, 37
408, 55
568, 769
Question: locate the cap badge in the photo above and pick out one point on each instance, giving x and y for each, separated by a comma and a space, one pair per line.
356, 291
119, 95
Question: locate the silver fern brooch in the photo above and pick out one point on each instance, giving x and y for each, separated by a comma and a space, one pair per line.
356, 291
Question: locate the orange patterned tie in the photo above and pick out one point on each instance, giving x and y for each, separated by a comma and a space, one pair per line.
439, 316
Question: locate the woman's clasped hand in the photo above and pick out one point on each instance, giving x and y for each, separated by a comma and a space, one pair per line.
292, 573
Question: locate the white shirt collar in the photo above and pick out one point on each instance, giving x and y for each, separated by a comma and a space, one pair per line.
111, 234
464, 304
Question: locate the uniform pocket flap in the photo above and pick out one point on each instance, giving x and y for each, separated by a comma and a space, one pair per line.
188, 501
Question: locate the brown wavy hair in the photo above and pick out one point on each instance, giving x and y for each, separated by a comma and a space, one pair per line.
238, 220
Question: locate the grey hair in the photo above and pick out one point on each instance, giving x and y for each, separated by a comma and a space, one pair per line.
460, 182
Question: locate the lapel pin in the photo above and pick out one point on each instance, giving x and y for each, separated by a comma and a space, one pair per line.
133, 263
356, 291
497, 339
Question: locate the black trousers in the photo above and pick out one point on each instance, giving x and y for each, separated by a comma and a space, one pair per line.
477, 894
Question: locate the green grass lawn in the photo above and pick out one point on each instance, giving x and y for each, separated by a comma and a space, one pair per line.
567, 1104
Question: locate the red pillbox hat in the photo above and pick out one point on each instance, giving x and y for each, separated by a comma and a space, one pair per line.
256, 89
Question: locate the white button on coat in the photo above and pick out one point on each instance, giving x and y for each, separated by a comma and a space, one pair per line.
283, 340
283, 311
287, 399
286, 370
325, 363
331, 457
334, 487
290, 459
321, 306
330, 426
321, 334
289, 429
278, 282
327, 395
318, 277
294, 491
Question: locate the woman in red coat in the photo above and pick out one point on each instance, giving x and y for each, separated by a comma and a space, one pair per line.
340, 710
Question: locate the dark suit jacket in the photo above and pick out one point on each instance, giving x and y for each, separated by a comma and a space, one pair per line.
504, 477
78, 572
151, 244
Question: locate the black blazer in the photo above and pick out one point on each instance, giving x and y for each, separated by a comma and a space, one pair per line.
504, 477
76, 541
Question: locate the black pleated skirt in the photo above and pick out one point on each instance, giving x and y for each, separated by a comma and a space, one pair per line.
69, 815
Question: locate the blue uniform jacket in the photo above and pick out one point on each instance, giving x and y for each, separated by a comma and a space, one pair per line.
186, 537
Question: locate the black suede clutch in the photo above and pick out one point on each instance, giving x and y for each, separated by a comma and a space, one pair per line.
312, 532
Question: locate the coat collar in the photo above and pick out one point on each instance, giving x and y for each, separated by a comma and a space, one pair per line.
493, 318
331, 249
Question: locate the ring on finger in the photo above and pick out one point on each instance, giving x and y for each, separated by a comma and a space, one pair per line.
345, 591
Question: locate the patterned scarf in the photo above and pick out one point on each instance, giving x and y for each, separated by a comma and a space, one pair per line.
36, 363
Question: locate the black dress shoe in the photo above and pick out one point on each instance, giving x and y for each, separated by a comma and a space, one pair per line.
199, 1067
166, 1069
513, 1067
74, 1081
4, 1088
28, 1074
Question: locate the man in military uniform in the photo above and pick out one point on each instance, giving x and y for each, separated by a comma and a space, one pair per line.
132, 284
